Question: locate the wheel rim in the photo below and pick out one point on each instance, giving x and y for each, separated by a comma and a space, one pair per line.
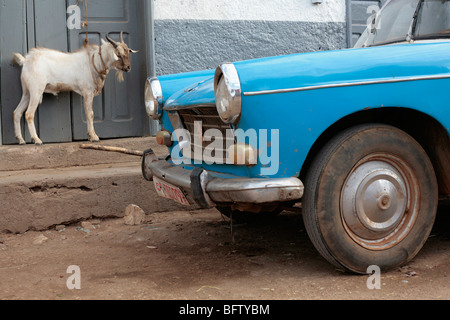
379, 201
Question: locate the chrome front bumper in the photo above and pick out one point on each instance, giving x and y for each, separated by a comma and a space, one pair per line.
206, 188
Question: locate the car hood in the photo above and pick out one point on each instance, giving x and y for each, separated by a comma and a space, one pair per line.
343, 66
199, 93
312, 70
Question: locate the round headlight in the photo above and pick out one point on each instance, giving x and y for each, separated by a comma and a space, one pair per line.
227, 90
153, 98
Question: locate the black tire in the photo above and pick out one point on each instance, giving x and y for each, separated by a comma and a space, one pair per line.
370, 198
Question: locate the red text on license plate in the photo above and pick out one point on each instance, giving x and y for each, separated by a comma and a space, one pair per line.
166, 190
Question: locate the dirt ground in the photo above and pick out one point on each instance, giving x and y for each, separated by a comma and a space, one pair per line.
191, 255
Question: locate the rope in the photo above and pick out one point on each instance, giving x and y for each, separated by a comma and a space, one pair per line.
105, 69
86, 41
85, 23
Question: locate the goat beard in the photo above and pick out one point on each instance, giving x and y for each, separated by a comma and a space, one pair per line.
119, 75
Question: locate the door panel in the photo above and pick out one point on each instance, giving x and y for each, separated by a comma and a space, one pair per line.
118, 110
54, 118
12, 16
35, 23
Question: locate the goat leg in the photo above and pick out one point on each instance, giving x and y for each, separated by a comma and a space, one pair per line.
29, 116
17, 116
88, 110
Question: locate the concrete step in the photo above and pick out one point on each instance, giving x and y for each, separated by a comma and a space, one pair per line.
60, 155
60, 183
40, 199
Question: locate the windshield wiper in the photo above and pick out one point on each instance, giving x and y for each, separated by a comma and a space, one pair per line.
399, 40
412, 28
437, 35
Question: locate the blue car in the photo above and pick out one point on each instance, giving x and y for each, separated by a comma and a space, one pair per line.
359, 138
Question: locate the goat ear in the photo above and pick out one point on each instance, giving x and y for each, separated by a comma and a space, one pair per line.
134, 51
102, 41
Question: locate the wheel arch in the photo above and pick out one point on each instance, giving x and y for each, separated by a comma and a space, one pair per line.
426, 130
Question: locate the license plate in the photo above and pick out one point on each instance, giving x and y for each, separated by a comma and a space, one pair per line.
168, 191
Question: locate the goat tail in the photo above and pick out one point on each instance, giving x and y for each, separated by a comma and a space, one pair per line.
18, 59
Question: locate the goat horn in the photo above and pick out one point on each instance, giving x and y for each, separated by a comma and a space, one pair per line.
112, 41
121, 36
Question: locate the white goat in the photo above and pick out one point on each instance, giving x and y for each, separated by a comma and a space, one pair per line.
51, 71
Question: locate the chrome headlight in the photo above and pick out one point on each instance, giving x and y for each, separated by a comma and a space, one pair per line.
153, 98
227, 91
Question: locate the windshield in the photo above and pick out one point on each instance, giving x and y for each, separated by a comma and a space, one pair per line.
433, 19
405, 20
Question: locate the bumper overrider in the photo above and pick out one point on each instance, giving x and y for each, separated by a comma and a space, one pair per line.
207, 188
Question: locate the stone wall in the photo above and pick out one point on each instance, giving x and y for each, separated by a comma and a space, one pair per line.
199, 34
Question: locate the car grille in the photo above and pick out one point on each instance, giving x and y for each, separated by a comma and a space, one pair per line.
205, 118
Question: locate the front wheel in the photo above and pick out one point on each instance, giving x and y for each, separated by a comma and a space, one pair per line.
370, 198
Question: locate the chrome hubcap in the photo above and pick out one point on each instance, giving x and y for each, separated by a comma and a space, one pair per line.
376, 200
